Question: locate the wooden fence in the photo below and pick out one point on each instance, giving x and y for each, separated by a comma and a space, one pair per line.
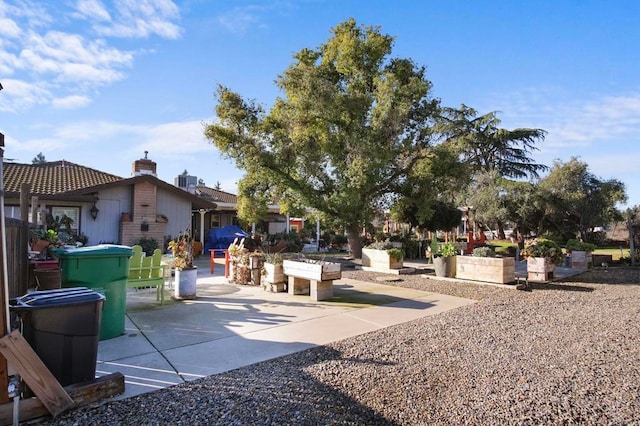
17, 256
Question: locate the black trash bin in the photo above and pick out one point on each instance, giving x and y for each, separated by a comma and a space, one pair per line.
62, 327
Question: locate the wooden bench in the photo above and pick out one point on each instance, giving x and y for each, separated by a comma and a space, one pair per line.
147, 271
314, 279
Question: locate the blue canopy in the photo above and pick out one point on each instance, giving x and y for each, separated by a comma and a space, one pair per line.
221, 238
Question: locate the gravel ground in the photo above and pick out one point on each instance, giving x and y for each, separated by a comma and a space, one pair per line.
562, 353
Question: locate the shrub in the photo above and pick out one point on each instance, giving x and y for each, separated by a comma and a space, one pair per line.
542, 247
148, 245
396, 254
380, 245
575, 245
484, 251
448, 250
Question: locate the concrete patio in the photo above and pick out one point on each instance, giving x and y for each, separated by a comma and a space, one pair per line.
230, 326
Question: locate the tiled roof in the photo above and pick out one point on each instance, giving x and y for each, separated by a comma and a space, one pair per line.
216, 195
53, 177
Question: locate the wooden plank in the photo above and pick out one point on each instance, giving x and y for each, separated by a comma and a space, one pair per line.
33, 371
82, 394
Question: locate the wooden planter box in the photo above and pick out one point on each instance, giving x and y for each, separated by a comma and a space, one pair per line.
256, 262
379, 259
581, 259
500, 270
540, 268
320, 271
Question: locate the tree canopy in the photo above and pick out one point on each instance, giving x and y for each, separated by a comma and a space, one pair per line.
343, 139
39, 159
578, 201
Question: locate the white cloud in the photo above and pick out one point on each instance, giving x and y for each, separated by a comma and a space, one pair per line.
9, 28
71, 102
19, 95
164, 140
575, 123
240, 20
44, 48
93, 10
143, 18
170, 139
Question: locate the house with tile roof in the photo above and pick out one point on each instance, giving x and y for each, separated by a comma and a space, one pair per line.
104, 207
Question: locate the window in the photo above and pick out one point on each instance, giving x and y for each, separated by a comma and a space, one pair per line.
215, 221
72, 212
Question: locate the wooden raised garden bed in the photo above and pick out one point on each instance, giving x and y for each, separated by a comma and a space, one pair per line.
380, 259
500, 270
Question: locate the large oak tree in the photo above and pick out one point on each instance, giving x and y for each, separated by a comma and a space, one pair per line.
351, 124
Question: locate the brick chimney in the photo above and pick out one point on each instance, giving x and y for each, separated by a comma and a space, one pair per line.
144, 166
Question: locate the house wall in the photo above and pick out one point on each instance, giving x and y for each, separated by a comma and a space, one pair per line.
177, 211
111, 204
103, 229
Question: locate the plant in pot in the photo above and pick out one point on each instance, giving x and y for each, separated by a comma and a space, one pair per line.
580, 253
272, 269
186, 272
542, 256
42, 241
382, 255
239, 271
444, 260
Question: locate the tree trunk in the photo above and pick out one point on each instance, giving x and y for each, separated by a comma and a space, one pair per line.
501, 235
355, 242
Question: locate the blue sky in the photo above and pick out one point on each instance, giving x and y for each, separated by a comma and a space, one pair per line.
98, 82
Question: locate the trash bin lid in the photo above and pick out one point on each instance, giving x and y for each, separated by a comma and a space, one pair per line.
58, 297
90, 251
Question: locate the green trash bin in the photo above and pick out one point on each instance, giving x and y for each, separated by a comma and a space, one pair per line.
105, 269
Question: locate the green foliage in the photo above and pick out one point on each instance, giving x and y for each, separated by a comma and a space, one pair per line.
148, 245
575, 245
380, 245
484, 251
433, 179
578, 201
411, 248
39, 159
340, 239
484, 146
396, 254
352, 124
442, 250
293, 240
542, 247
434, 246
275, 258
448, 249
47, 235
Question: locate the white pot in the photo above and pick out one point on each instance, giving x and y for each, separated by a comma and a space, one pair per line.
185, 286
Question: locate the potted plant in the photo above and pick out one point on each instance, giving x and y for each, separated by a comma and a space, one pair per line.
444, 260
186, 272
239, 271
580, 253
485, 265
43, 241
382, 255
542, 256
272, 269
